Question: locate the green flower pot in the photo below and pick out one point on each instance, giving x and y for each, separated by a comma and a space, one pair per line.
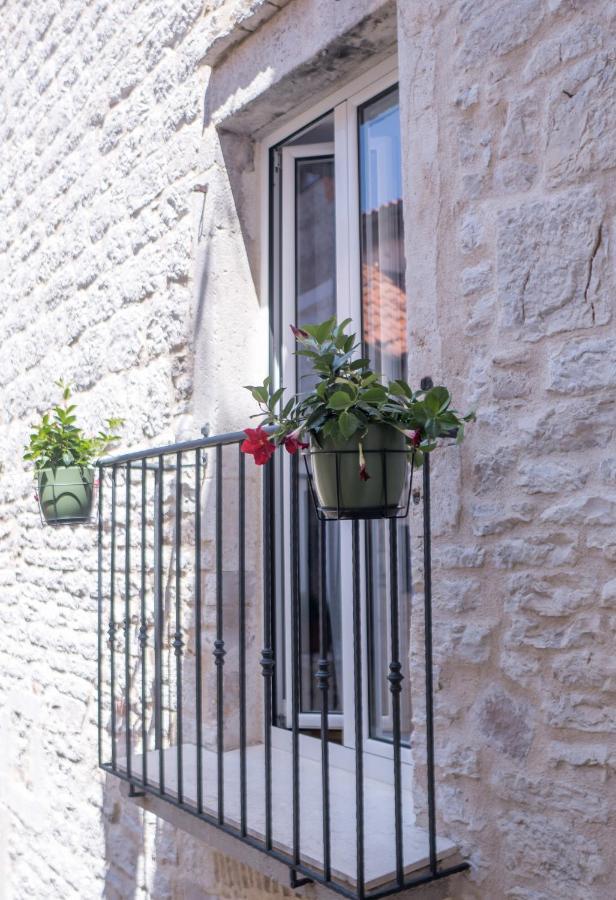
65, 494
340, 491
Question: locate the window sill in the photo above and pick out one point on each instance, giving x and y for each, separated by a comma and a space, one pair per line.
378, 804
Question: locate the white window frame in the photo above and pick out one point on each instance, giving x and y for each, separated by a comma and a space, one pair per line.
345, 104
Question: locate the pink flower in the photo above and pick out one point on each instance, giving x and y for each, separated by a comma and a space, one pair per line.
258, 444
363, 471
414, 437
299, 333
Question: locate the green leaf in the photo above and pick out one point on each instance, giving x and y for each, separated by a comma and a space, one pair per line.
340, 400
437, 400
376, 394
348, 424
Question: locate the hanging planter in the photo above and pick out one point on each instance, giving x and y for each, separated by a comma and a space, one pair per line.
338, 490
361, 438
63, 455
66, 494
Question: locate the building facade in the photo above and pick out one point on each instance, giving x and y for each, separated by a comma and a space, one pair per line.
137, 196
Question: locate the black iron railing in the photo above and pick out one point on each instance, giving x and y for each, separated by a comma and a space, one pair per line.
188, 554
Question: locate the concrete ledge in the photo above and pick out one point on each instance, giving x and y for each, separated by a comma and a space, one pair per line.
231, 25
221, 842
311, 47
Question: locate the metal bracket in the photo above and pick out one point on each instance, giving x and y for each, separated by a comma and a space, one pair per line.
133, 792
296, 882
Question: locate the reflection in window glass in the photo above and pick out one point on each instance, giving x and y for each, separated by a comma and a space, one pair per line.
315, 268
384, 323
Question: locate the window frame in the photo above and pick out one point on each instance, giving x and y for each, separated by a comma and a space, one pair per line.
345, 104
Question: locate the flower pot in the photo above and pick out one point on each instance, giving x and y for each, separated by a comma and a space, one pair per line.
340, 491
65, 494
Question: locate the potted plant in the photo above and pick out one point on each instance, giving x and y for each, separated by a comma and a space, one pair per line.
362, 432
63, 455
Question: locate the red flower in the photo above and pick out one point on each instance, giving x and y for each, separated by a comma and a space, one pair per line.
292, 443
363, 472
299, 332
258, 444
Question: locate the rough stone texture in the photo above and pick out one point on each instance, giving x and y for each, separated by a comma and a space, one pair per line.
511, 193
119, 277
101, 134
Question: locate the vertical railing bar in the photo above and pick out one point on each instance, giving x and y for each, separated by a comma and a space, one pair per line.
242, 634
143, 630
177, 638
159, 625
267, 655
112, 626
359, 732
427, 548
323, 682
395, 685
219, 644
295, 658
198, 663
100, 614
127, 498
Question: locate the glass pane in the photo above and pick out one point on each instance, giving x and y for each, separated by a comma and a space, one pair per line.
315, 267
382, 236
384, 324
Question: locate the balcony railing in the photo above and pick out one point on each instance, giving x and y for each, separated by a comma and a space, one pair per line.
190, 674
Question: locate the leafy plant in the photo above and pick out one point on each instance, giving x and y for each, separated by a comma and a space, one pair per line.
347, 398
57, 441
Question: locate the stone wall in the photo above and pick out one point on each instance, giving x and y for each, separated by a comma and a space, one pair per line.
115, 274
101, 123
510, 121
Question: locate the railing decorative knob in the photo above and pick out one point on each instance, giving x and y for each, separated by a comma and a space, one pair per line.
178, 643
219, 652
143, 635
395, 677
322, 674
267, 662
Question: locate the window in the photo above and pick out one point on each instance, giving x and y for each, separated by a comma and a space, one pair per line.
336, 247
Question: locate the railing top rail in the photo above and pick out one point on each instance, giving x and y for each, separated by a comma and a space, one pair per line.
215, 440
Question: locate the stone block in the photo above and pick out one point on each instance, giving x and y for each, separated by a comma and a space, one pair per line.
521, 132
506, 723
493, 31
553, 274
581, 135
582, 365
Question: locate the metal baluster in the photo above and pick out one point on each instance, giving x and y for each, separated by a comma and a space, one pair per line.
178, 643
219, 644
427, 549
127, 620
395, 686
359, 731
322, 677
112, 626
143, 629
158, 628
242, 634
100, 614
267, 654
198, 665
295, 656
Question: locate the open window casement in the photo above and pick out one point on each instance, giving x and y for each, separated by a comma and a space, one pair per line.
335, 248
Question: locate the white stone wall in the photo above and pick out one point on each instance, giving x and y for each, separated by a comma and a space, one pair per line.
101, 145
510, 121
118, 277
